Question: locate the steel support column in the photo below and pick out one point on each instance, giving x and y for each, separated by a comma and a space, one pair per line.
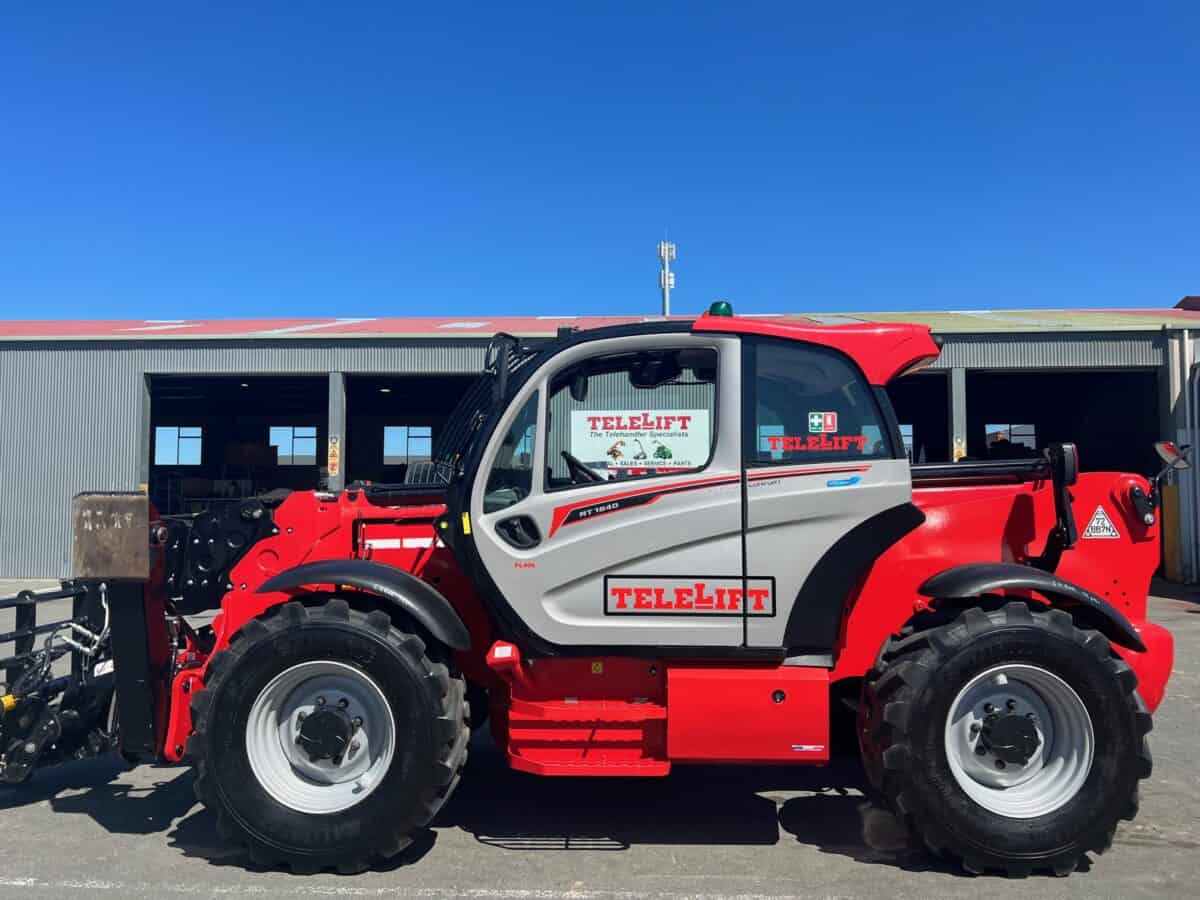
335, 461
144, 425
958, 413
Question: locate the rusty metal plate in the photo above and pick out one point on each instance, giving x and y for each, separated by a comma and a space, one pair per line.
110, 535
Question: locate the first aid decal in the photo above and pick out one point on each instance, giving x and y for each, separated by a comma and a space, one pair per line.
822, 422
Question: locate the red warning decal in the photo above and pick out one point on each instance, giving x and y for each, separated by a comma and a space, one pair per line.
1101, 526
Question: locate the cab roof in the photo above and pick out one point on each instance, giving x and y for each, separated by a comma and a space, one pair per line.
882, 350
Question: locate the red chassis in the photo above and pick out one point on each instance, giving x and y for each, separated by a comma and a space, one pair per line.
654, 712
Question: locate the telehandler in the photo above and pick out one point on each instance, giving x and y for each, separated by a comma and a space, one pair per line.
725, 603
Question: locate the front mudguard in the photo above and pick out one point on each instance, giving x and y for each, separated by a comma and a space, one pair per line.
1153, 667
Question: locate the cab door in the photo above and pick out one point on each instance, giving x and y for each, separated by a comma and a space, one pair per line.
607, 509
827, 488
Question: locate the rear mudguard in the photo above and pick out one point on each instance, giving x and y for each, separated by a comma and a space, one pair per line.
405, 592
976, 579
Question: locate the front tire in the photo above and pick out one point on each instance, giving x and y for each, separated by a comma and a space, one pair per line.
1010, 740
325, 737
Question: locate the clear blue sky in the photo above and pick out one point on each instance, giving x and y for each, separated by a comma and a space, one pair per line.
163, 161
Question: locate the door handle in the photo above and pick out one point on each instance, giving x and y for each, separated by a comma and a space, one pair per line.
519, 531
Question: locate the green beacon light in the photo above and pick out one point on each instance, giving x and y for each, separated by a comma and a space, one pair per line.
721, 308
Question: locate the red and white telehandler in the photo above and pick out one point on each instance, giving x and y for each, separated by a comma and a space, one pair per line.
769, 558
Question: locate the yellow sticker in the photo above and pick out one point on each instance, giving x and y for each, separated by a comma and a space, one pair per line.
466, 522
597, 668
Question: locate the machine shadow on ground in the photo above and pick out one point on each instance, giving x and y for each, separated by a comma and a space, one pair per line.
701, 805
512, 812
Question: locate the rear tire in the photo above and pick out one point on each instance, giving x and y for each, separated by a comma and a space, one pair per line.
1011, 797
405, 713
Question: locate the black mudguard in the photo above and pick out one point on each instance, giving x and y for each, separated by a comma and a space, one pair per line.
406, 592
816, 617
975, 579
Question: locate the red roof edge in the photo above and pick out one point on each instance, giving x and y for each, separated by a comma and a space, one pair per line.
882, 350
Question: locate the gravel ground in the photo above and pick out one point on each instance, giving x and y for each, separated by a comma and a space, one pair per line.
96, 828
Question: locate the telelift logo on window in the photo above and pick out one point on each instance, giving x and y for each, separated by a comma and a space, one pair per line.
822, 422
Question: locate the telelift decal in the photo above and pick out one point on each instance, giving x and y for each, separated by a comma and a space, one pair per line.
817, 442
639, 440
654, 595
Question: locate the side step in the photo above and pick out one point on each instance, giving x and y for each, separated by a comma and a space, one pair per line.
587, 733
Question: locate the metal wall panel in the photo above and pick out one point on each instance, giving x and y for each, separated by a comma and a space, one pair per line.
72, 415
72, 412
1052, 351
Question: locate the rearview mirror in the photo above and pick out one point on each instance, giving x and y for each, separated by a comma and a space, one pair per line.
1174, 457
654, 371
579, 387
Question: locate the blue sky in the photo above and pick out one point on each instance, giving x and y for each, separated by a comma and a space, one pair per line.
163, 161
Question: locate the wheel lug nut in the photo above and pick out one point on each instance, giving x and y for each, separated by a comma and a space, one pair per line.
1011, 704
1031, 717
974, 729
980, 750
337, 760
343, 703
1000, 764
987, 708
353, 748
358, 721
301, 716
320, 701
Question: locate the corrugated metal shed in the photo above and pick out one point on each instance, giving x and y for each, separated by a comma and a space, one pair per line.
964, 321
72, 416
74, 398
1096, 350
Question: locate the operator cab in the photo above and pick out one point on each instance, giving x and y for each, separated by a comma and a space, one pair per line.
684, 484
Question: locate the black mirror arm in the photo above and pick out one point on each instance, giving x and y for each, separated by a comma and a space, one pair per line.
1064, 534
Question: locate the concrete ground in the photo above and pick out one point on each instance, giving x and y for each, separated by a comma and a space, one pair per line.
96, 829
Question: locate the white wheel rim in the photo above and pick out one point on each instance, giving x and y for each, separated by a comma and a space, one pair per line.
1056, 769
284, 768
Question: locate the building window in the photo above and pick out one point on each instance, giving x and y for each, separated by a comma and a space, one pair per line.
1011, 441
177, 446
295, 445
407, 444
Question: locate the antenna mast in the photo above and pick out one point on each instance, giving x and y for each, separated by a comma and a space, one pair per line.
666, 278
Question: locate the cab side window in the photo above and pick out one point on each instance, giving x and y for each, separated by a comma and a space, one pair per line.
632, 415
511, 477
811, 405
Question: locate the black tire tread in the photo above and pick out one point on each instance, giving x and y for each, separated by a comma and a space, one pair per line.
392, 836
890, 688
